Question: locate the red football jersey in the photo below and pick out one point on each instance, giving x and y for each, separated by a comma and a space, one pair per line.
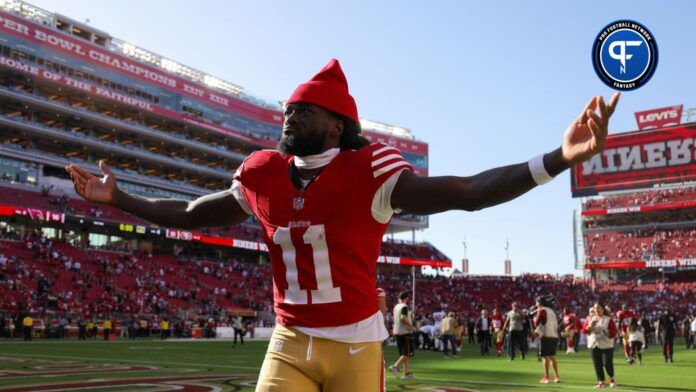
568, 320
496, 323
323, 241
625, 317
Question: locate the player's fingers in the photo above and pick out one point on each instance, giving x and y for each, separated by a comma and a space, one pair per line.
104, 168
597, 133
79, 189
603, 108
613, 101
76, 179
582, 118
83, 172
597, 119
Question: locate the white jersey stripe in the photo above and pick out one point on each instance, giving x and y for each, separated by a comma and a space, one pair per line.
385, 158
386, 169
383, 149
387, 162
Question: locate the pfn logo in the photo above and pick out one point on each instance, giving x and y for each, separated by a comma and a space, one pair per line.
624, 55
621, 55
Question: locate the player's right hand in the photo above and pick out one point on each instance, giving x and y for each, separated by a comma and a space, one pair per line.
91, 188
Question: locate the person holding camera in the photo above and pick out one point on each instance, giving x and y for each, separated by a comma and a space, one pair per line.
546, 327
601, 332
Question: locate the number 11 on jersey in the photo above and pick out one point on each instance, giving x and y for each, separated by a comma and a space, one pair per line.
315, 236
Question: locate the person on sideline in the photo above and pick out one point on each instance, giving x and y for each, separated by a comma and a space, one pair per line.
546, 324
514, 325
403, 333
636, 339
601, 332
449, 326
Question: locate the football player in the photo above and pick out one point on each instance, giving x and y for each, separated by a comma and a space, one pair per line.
625, 316
324, 199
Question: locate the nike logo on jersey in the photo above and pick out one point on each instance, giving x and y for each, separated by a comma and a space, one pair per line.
353, 352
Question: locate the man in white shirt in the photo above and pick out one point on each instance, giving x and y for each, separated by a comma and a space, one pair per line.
403, 333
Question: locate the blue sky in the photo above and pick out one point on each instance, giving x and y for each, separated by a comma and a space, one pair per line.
484, 83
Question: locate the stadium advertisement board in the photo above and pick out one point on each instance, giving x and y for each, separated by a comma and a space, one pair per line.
640, 159
626, 210
659, 118
670, 263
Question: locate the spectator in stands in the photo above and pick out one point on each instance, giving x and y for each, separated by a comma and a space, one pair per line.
601, 332
483, 332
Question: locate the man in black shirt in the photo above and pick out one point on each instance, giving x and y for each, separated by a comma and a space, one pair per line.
647, 329
666, 327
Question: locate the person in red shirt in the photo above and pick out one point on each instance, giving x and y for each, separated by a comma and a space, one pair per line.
625, 316
497, 329
324, 199
569, 326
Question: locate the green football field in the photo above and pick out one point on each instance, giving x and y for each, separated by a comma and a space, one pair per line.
215, 365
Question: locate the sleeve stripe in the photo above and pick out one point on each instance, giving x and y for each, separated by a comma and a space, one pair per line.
239, 195
386, 158
383, 149
388, 168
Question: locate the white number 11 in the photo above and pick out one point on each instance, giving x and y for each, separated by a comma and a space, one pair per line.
315, 236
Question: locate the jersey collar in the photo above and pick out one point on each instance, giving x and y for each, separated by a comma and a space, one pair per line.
316, 161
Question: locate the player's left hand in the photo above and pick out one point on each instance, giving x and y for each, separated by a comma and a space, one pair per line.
586, 135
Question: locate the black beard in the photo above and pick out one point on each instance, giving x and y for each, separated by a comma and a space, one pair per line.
301, 146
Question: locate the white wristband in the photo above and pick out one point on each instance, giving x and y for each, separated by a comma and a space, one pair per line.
539, 173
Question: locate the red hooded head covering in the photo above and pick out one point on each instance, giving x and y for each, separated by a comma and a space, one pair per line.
328, 89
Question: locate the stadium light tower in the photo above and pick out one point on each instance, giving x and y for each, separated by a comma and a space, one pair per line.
508, 263
464, 244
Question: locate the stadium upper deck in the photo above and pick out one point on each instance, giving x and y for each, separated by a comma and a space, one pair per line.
70, 92
641, 220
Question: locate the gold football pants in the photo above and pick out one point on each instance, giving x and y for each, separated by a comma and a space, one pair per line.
298, 362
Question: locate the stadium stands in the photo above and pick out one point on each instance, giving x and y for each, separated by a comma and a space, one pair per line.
657, 197
640, 245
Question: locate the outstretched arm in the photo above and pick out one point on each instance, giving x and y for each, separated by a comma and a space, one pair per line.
429, 195
217, 209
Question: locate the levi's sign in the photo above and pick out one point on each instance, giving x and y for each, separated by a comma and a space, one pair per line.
638, 159
659, 118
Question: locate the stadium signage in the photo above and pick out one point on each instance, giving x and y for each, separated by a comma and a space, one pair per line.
659, 118
94, 54
639, 159
625, 210
675, 263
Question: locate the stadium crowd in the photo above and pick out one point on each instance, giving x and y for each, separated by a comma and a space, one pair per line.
42, 276
641, 245
656, 197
